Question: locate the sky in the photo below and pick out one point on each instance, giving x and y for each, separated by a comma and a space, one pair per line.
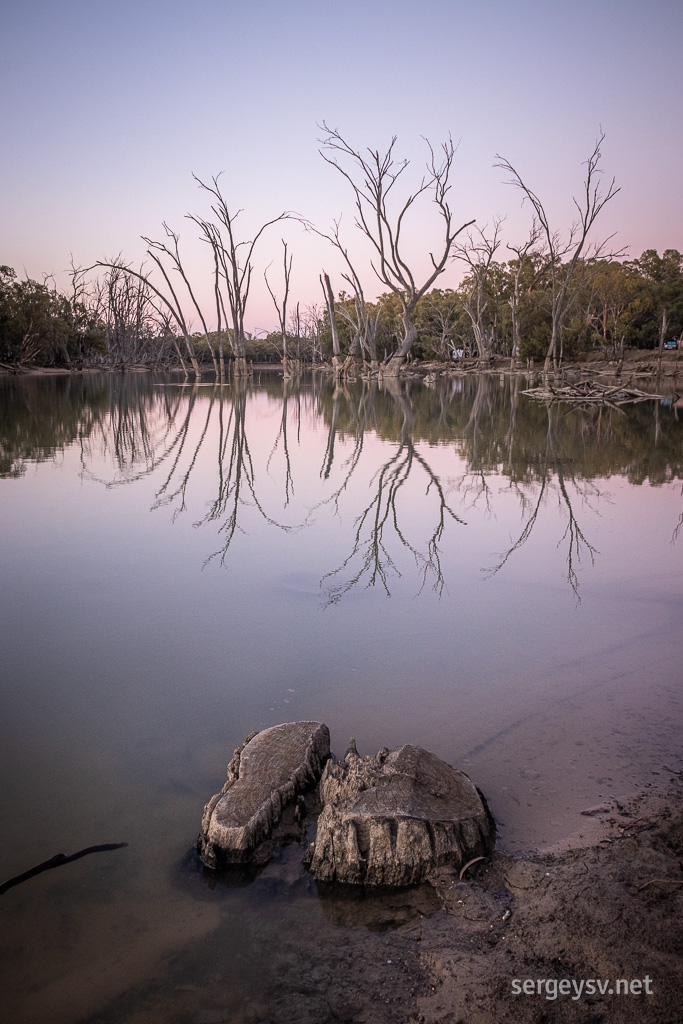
109, 109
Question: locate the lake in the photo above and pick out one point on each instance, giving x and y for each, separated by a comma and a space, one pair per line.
453, 565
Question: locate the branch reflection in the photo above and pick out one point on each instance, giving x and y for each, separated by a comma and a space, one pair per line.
378, 523
393, 463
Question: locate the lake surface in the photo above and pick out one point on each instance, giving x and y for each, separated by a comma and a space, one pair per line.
450, 565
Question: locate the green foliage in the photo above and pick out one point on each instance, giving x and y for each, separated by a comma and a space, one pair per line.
613, 304
39, 325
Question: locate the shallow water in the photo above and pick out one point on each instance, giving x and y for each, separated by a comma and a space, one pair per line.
450, 565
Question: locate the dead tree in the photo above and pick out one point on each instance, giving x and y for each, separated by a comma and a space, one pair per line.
173, 255
524, 254
372, 179
477, 253
134, 310
169, 300
565, 254
282, 307
329, 302
363, 324
235, 260
310, 326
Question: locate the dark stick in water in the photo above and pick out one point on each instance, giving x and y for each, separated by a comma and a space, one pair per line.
56, 862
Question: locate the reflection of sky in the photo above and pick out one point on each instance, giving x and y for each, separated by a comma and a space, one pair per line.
128, 661
107, 109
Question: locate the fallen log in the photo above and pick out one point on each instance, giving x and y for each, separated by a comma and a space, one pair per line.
591, 392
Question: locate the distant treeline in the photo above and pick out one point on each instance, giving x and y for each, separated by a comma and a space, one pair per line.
115, 319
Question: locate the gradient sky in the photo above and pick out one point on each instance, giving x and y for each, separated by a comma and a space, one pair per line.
109, 108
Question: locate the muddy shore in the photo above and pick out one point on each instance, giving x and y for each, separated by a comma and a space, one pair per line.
453, 951
636, 362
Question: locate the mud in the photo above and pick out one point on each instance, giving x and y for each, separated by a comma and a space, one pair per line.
449, 951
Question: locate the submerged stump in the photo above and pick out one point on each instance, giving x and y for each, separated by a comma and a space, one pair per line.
267, 773
394, 818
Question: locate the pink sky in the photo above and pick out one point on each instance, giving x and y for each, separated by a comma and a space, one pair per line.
109, 109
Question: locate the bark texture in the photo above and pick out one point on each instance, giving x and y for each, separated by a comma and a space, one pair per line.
267, 773
394, 818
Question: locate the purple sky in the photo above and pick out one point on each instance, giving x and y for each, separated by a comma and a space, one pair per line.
109, 108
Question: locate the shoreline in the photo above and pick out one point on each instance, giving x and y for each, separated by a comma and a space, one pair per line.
636, 362
449, 950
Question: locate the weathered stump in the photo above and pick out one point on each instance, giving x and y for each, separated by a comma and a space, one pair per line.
394, 818
267, 773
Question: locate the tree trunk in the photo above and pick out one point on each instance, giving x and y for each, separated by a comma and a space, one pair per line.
180, 356
336, 348
515, 360
354, 359
393, 367
552, 352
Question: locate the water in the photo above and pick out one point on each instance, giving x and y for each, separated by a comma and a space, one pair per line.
450, 565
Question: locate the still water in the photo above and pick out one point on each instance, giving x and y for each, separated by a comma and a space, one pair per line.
450, 565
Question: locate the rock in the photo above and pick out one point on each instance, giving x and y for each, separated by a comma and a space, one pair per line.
267, 774
394, 818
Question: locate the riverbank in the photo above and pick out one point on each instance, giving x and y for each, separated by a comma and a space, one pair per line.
569, 926
636, 362
451, 951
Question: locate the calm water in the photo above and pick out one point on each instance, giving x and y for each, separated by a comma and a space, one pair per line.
450, 565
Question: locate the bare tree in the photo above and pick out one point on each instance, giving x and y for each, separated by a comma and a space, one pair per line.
310, 326
478, 300
524, 254
442, 315
372, 179
565, 254
363, 322
168, 300
122, 304
282, 307
235, 260
173, 255
329, 302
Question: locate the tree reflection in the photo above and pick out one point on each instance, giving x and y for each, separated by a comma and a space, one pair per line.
552, 476
378, 523
377, 465
236, 476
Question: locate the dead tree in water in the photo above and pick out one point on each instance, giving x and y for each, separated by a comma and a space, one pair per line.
378, 174
168, 301
566, 255
282, 308
173, 254
329, 302
362, 323
235, 260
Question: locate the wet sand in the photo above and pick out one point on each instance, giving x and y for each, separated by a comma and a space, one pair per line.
449, 951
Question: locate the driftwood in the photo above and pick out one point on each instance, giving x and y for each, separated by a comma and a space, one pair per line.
591, 392
57, 861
